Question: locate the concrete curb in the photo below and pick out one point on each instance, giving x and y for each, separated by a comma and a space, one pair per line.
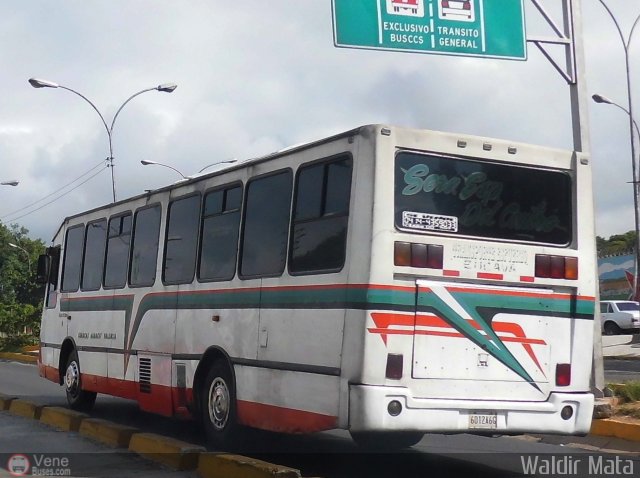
5, 401
216, 465
167, 451
17, 357
62, 418
623, 357
106, 432
611, 427
176, 454
26, 409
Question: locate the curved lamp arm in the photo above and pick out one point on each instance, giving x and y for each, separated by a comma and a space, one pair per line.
145, 162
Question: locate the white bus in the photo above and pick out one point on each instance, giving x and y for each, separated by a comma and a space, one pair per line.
386, 281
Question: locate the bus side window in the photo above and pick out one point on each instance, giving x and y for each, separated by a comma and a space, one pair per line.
181, 240
93, 262
144, 254
319, 226
117, 257
72, 259
266, 225
219, 234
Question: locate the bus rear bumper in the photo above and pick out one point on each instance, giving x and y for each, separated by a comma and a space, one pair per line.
368, 411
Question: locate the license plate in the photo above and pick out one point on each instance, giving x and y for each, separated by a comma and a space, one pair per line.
483, 421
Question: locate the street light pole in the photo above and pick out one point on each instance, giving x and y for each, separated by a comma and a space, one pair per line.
626, 46
634, 171
166, 88
15, 246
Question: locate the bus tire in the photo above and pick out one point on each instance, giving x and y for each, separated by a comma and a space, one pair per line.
218, 407
386, 441
77, 398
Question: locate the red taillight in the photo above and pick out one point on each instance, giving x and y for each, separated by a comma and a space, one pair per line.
445, 4
435, 256
563, 374
556, 267
402, 254
418, 255
394, 366
466, 5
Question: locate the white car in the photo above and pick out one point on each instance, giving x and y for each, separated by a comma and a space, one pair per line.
619, 315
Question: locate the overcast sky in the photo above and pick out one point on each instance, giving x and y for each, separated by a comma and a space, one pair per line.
255, 76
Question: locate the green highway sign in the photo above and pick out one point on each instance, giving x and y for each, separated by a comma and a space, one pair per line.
483, 28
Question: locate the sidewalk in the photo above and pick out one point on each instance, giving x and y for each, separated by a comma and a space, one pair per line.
621, 346
71, 454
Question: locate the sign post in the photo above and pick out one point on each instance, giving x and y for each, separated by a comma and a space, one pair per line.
483, 28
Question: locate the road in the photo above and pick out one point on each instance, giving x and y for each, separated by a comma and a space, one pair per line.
330, 454
616, 371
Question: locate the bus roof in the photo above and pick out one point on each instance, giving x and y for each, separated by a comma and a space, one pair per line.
276, 154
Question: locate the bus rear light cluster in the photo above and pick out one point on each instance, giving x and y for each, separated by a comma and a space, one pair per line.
418, 255
556, 267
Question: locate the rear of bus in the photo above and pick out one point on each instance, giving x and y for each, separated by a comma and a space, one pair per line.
482, 285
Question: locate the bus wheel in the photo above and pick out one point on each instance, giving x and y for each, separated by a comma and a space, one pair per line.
77, 398
219, 407
386, 441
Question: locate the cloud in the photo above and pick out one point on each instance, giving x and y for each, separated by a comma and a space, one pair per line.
256, 76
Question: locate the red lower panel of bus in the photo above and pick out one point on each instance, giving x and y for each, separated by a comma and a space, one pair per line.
170, 401
279, 419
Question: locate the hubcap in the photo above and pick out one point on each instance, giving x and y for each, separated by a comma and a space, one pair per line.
72, 378
219, 403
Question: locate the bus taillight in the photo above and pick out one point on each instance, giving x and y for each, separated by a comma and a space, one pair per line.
394, 366
418, 255
556, 267
563, 374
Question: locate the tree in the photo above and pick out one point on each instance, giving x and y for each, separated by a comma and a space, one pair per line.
20, 297
618, 244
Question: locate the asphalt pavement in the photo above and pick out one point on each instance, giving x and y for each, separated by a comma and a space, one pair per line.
330, 454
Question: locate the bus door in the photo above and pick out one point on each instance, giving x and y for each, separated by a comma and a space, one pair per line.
485, 342
54, 324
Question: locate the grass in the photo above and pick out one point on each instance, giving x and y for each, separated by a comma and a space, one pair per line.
628, 392
17, 343
629, 409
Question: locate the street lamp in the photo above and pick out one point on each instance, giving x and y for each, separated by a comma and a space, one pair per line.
15, 246
219, 162
13, 182
146, 162
601, 99
165, 88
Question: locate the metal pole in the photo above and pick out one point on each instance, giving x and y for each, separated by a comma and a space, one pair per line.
572, 12
110, 158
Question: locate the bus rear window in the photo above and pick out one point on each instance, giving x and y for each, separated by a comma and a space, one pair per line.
482, 199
